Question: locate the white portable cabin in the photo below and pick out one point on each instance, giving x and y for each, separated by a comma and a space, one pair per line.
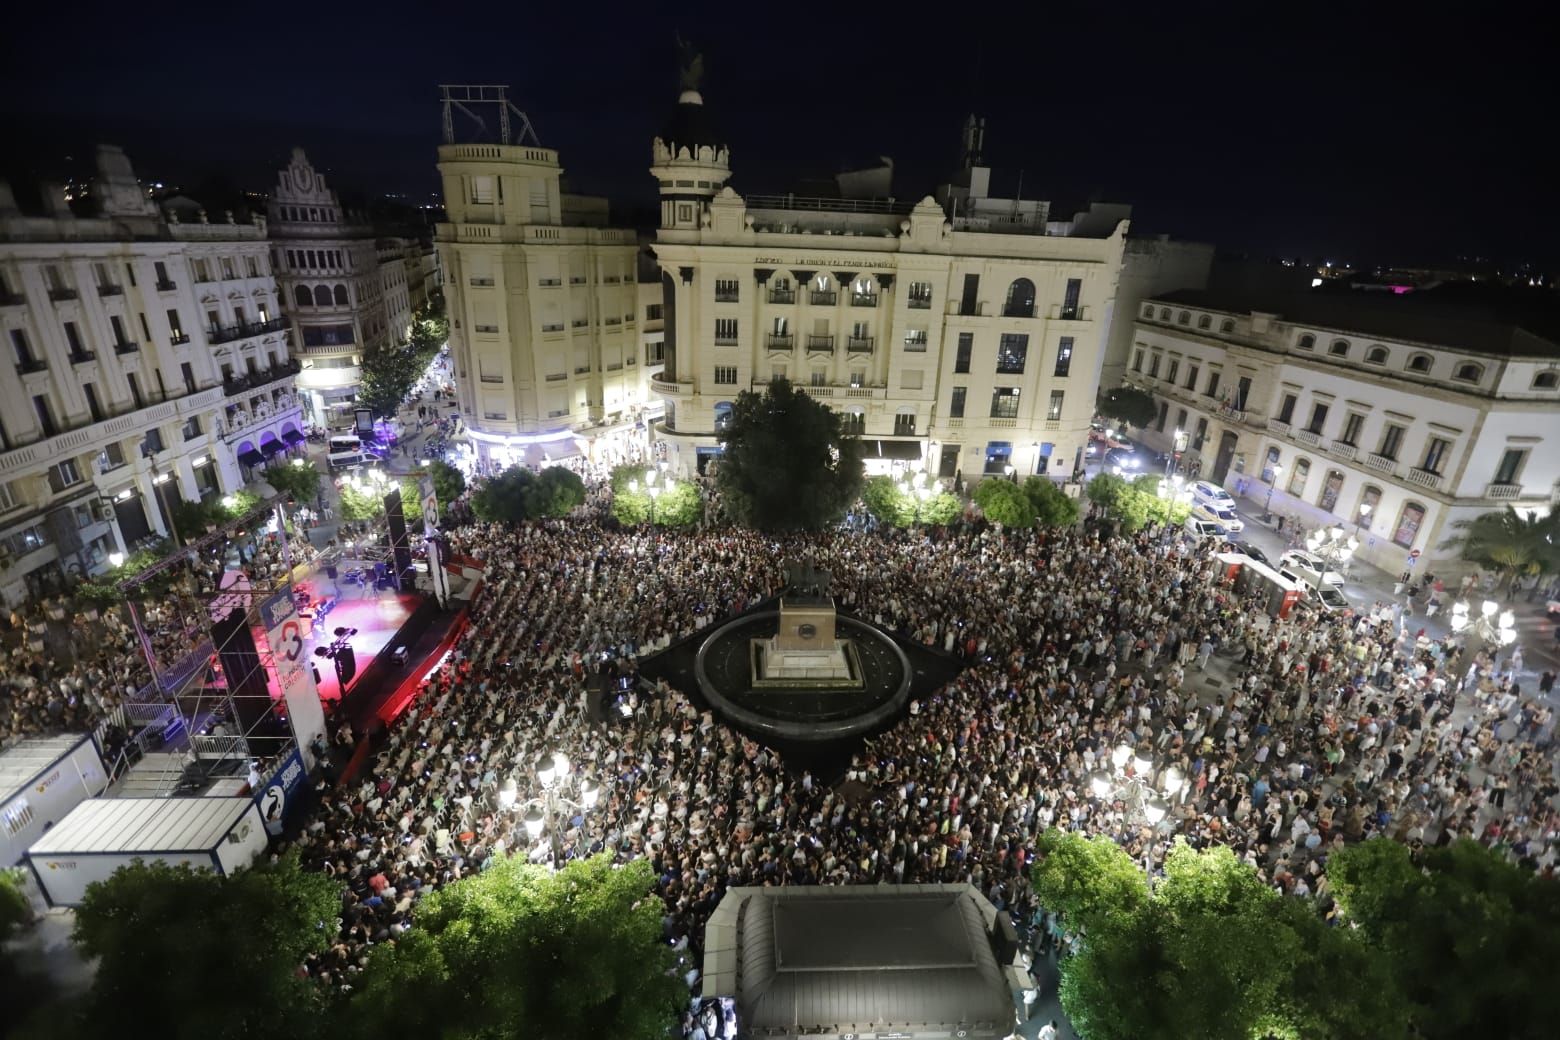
41, 780
104, 834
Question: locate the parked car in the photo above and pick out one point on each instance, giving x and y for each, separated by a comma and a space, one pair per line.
1327, 599
1311, 565
1201, 529
1224, 516
1208, 493
1247, 549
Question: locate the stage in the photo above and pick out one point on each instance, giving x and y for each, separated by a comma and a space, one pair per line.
377, 617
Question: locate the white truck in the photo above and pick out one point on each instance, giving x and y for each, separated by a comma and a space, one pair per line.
103, 834
41, 780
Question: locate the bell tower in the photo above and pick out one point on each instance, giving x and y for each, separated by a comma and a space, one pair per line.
688, 159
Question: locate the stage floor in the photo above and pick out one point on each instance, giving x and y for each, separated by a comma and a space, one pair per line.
376, 616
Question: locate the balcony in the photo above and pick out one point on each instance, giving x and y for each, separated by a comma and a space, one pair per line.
255, 380
1279, 426
864, 300
111, 290
998, 422
1232, 414
166, 285
955, 423
824, 344
11, 299
1380, 463
557, 377
126, 347
1424, 478
28, 366
1052, 424
482, 282
1503, 492
59, 293
1014, 310
579, 323
82, 357
858, 344
779, 341
782, 296
1308, 438
823, 297
1343, 450
228, 333
178, 339
920, 303
726, 296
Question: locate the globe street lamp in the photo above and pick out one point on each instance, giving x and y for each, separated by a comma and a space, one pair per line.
1490, 625
546, 814
1362, 518
1333, 546
1130, 781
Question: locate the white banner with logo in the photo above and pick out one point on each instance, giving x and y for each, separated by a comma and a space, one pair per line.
284, 633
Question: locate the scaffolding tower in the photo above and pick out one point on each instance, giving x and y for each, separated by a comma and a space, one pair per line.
474, 99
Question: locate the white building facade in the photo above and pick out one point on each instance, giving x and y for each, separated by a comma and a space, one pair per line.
544, 307
965, 337
145, 358
1396, 417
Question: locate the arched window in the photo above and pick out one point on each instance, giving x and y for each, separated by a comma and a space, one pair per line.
1298, 477
855, 419
722, 416
1376, 355
1468, 372
1148, 312
1419, 363
1546, 380
1183, 318
1227, 326
1331, 486
1020, 299
341, 296
1306, 342
1370, 498
305, 298
1204, 321
1339, 348
1164, 314
322, 295
1409, 521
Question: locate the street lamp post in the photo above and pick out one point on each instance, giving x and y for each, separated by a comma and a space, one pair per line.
1489, 625
1363, 516
1130, 780
1267, 507
1333, 545
545, 814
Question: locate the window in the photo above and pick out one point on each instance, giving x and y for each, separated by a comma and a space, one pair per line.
1331, 485
1153, 366
858, 377
1286, 411
1204, 321
19, 344
1468, 373
191, 429
1213, 385
1376, 356
63, 474
1227, 326
1173, 370
956, 407
1004, 402
1318, 417
305, 298
1012, 353
722, 416
653, 312
93, 405
7, 497
1020, 299
1510, 467
1164, 411
1339, 348
17, 817
726, 290
1064, 352
1270, 466
1306, 342
1352, 425
152, 444
176, 327
1298, 476
45, 414
188, 375
163, 281
999, 455
1435, 454
1370, 498
1053, 413
904, 424
920, 296
1148, 311
819, 377
341, 296
915, 340
1242, 392
1137, 361
1070, 296
1201, 435
135, 389
1419, 363
1546, 380
1391, 441
855, 423
482, 190
725, 330
1183, 318
961, 360
1409, 522
1164, 314
726, 375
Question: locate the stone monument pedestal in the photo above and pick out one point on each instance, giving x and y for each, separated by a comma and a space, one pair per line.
805, 652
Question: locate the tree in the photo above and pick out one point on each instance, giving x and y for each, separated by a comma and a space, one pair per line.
1471, 938
1211, 951
887, 500
518, 951
1052, 506
556, 492
388, 375
217, 956
1128, 404
449, 483
1004, 502
788, 463
1156, 506
358, 504
298, 480
1106, 490
1514, 545
517, 495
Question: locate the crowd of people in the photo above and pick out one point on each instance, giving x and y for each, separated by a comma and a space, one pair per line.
1293, 735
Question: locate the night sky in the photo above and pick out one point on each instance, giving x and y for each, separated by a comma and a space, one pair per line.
1361, 132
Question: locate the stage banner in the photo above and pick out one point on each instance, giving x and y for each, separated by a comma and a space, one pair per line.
430, 505
284, 633
280, 794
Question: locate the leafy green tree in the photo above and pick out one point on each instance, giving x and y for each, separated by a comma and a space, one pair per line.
886, 499
556, 492
357, 504
1052, 506
449, 483
1472, 940
788, 463
1210, 951
1004, 502
15, 910
388, 374
298, 480
517, 951
1157, 507
1513, 544
1106, 490
941, 510
1128, 404
235, 506
517, 495
217, 956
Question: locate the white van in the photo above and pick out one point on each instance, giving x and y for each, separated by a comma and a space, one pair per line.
1201, 529
344, 450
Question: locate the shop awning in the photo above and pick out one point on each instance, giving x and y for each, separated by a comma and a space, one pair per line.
250, 457
270, 448
292, 436
900, 451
